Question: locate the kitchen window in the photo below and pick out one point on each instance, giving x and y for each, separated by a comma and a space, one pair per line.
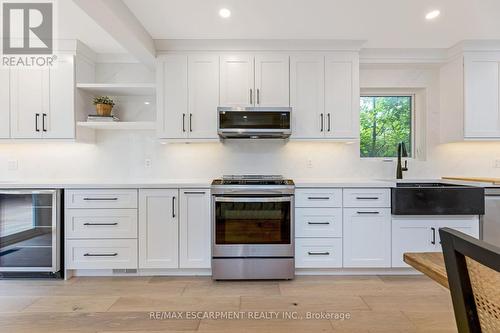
385, 121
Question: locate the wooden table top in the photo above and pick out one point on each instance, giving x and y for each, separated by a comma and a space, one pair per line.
494, 181
429, 263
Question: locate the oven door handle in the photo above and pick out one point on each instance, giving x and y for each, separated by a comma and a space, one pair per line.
253, 199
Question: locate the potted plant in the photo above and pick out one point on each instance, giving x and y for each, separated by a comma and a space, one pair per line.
103, 105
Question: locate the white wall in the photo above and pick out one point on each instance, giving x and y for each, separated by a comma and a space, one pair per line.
121, 155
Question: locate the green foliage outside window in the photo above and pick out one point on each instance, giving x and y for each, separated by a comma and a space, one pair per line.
385, 121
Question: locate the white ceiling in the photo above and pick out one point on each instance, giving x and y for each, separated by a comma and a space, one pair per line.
382, 23
74, 23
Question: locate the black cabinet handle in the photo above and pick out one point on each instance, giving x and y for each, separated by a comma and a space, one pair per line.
318, 253
100, 254
184, 122
190, 122
193, 192
329, 123
318, 198
44, 116
100, 199
321, 123
173, 207
367, 198
318, 223
37, 116
368, 213
433, 241
90, 223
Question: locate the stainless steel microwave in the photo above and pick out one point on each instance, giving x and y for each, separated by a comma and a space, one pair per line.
254, 122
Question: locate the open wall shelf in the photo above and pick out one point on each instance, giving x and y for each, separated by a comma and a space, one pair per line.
118, 125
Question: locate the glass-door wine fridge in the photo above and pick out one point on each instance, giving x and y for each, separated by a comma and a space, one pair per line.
30, 233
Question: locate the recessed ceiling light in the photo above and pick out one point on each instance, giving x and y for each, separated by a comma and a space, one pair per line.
432, 14
224, 13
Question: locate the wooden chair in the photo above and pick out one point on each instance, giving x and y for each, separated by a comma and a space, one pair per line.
473, 269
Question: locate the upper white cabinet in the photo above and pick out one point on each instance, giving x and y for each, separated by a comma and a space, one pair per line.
158, 228
272, 80
195, 231
341, 119
307, 95
482, 96
325, 96
247, 80
470, 97
42, 102
188, 96
237, 80
4, 103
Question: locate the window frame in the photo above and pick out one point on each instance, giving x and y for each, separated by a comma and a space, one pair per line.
413, 117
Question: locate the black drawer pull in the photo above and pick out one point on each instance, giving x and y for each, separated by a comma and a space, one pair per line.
318, 223
194, 192
318, 253
367, 198
100, 199
89, 223
368, 213
100, 254
318, 198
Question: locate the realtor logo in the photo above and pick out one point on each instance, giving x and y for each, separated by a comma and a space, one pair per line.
27, 28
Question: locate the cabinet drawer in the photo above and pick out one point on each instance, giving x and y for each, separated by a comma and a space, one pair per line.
318, 252
101, 254
101, 223
101, 199
318, 197
318, 222
367, 197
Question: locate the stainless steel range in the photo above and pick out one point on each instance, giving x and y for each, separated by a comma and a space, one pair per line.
253, 228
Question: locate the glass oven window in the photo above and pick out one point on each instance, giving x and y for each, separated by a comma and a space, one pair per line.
252, 223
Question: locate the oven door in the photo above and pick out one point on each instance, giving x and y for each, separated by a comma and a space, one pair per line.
253, 226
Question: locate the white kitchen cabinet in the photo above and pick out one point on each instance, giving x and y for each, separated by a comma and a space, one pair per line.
194, 229
324, 94
203, 83
4, 103
29, 101
42, 101
318, 222
60, 121
470, 97
172, 97
307, 95
188, 96
341, 118
237, 78
318, 253
421, 233
367, 237
261, 80
158, 228
482, 96
272, 80
318, 197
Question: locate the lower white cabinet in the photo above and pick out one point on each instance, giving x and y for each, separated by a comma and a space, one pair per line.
195, 232
174, 228
101, 254
318, 222
159, 228
367, 237
318, 252
101, 223
421, 233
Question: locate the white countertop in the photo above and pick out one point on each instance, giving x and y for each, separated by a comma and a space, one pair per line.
205, 183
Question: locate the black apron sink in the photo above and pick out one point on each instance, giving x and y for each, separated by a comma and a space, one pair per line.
436, 199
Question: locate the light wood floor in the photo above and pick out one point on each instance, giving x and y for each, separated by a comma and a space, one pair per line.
91, 305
